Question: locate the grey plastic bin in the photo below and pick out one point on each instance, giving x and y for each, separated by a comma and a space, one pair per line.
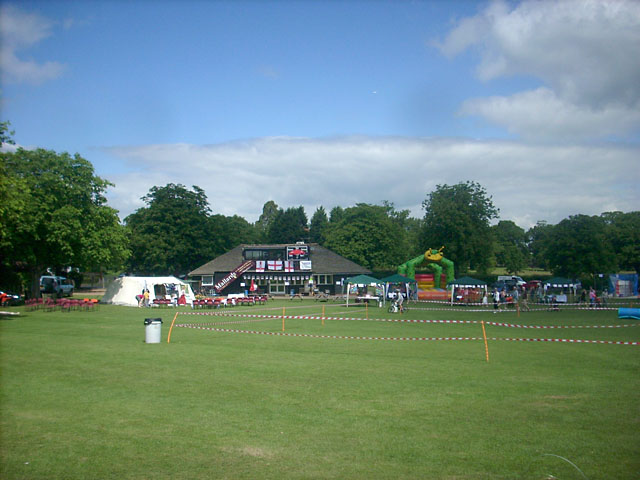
152, 330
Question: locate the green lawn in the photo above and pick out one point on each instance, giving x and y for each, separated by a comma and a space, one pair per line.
84, 397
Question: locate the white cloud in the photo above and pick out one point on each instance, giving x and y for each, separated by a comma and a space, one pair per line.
18, 32
528, 183
540, 114
583, 51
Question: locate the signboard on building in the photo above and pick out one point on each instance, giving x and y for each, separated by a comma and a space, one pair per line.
298, 252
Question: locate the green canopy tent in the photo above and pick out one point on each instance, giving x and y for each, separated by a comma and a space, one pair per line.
397, 279
364, 281
561, 283
466, 282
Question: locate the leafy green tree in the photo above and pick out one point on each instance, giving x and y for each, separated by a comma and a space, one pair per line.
54, 214
318, 225
458, 216
229, 232
269, 213
514, 259
537, 239
510, 246
367, 236
6, 135
579, 245
410, 228
336, 214
289, 226
172, 234
623, 230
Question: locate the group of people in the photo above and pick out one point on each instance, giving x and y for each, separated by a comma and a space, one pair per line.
143, 298
594, 300
510, 298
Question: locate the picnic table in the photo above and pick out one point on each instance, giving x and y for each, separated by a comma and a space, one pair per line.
366, 298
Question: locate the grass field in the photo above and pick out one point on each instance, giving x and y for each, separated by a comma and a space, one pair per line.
83, 397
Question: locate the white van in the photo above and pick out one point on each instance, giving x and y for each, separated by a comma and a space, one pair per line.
513, 279
58, 286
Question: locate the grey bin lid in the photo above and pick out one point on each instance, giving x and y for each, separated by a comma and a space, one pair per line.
149, 321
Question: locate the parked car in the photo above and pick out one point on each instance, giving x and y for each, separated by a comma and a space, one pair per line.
54, 285
532, 284
506, 286
511, 279
8, 299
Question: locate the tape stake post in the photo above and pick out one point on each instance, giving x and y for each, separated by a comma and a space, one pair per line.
323, 315
486, 346
366, 309
171, 327
283, 318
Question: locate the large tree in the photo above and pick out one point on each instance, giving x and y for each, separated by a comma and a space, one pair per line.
172, 234
6, 135
579, 245
458, 216
368, 236
623, 230
510, 246
336, 214
410, 229
289, 226
229, 232
54, 215
269, 213
537, 239
318, 225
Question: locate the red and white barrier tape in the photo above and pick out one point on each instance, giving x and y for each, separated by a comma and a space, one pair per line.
507, 310
309, 335
566, 340
394, 320
411, 339
533, 302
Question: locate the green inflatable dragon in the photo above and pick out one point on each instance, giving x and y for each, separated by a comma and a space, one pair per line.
437, 264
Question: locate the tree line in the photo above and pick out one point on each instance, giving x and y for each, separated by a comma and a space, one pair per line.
54, 215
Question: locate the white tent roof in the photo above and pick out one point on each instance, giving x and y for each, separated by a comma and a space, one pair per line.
123, 290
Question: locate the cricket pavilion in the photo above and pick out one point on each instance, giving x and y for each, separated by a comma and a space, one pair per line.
281, 269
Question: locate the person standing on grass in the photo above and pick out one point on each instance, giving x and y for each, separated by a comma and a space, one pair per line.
146, 297
399, 301
524, 304
140, 298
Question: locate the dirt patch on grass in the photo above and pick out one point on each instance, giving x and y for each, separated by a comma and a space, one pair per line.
257, 452
557, 401
251, 451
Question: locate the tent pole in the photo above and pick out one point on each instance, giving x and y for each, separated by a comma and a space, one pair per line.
348, 284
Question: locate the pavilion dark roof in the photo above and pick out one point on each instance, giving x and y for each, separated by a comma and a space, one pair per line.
324, 261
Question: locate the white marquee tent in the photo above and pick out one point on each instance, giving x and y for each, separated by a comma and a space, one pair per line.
123, 290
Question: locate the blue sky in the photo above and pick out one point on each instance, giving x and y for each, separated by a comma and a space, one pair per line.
334, 103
